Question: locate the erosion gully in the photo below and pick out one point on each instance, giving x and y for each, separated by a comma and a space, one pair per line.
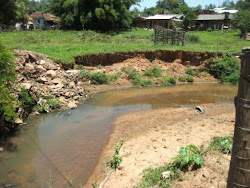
67, 145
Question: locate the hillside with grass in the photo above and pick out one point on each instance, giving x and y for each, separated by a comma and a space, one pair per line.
64, 45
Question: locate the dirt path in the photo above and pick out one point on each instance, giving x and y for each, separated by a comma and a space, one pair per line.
153, 137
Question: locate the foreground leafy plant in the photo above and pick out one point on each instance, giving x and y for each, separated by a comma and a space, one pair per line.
116, 160
189, 158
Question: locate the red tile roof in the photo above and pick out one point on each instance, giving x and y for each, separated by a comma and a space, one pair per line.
46, 16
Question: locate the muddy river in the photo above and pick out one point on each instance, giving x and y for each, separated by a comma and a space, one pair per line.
58, 147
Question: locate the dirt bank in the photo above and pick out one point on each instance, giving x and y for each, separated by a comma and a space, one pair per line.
187, 58
152, 142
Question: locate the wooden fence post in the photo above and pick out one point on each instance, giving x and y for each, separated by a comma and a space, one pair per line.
239, 172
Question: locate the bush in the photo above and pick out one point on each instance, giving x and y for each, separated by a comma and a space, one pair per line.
132, 75
193, 38
168, 80
98, 77
154, 72
209, 29
189, 158
115, 76
54, 104
191, 71
186, 79
26, 101
222, 144
226, 69
190, 79
7, 81
142, 82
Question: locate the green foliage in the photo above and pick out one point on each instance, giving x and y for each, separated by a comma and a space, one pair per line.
209, 29
141, 82
241, 21
116, 160
189, 17
152, 177
96, 14
7, 80
154, 72
191, 71
222, 144
189, 158
168, 80
26, 101
98, 77
226, 69
193, 38
115, 76
54, 104
41, 108
186, 79
190, 79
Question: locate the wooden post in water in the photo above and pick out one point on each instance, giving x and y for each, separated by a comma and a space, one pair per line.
239, 172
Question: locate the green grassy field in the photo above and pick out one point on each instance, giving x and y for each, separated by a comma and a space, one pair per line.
64, 45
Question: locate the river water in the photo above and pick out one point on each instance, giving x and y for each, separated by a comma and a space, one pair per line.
54, 148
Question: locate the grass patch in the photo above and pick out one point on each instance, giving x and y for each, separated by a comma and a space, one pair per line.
222, 144
168, 80
191, 72
154, 72
142, 82
189, 79
97, 77
193, 38
26, 101
226, 69
65, 45
189, 158
54, 104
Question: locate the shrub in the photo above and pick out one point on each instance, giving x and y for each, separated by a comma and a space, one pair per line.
189, 158
142, 82
168, 80
98, 77
54, 104
7, 80
42, 108
26, 101
226, 69
209, 29
186, 79
154, 72
222, 144
191, 71
190, 79
132, 75
193, 38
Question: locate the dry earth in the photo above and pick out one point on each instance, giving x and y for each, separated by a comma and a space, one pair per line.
152, 142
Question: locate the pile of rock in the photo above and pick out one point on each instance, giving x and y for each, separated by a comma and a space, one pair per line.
44, 78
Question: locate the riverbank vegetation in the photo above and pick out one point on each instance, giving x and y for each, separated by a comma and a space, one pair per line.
189, 158
65, 45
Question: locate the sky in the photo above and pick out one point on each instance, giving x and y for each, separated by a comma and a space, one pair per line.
191, 3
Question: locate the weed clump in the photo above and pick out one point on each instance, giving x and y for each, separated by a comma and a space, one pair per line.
189, 158
222, 144
116, 160
226, 69
154, 72
26, 101
191, 71
97, 77
193, 38
189, 79
142, 82
168, 80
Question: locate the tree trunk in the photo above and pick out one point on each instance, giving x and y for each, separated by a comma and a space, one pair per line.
239, 173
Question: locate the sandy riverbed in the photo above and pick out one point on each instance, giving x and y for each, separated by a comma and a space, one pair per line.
153, 137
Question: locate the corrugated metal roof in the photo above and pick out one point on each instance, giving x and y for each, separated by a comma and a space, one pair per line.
162, 17
229, 11
211, 17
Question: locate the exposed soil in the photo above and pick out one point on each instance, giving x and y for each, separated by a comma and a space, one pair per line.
152, 142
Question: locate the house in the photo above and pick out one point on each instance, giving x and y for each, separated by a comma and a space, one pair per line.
163, 20
43, 20
213, 21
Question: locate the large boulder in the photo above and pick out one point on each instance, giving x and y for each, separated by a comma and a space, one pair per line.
26, 85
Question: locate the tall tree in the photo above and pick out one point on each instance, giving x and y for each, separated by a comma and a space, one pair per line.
93, 14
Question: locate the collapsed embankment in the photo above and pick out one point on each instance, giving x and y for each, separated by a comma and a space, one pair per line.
186, 57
